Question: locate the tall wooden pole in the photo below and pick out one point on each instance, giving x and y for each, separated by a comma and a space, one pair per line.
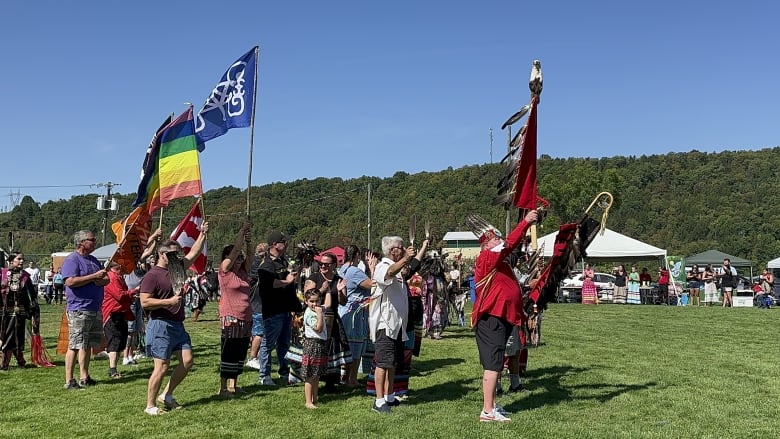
368, 238
252, 131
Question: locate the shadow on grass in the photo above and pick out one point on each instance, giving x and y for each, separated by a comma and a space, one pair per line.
555, 392
446, 335
249, 391
449, 391
423, 367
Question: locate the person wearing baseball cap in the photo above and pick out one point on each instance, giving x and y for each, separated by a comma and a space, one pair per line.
276, 285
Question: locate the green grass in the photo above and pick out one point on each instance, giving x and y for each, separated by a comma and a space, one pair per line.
604, 371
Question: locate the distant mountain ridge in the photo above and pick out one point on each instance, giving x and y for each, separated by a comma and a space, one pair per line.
684, 202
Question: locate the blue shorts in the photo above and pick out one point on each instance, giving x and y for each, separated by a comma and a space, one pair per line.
357, 349
257, 324
163, 337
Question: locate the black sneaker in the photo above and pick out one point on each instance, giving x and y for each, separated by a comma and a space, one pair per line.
519, 388
396, 402
383, 409
72, 385
87, 382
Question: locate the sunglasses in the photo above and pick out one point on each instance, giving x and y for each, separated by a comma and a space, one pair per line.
326, 264
89, 239
171, 254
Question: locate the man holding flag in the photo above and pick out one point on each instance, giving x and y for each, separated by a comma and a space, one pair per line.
171, 170
161, 295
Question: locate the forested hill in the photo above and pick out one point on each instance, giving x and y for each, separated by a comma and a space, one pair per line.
684, 202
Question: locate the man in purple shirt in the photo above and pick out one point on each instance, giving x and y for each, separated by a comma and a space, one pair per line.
84, 282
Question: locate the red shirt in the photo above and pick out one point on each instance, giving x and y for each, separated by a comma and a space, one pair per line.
500, 296
234, 290
663, 277
116, 297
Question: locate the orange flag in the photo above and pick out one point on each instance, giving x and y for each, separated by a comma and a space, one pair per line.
131, 236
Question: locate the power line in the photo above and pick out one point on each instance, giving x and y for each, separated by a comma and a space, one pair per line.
48, 186
288, 205
313, 200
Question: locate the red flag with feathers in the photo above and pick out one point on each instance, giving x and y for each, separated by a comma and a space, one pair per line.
525, 185
187, 232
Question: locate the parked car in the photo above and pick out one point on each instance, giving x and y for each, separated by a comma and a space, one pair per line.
571, 287
602, 280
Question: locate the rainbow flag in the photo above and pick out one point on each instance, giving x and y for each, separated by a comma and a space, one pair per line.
178, 164
172, 167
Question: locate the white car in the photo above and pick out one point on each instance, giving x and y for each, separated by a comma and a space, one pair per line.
571, 287
603, 281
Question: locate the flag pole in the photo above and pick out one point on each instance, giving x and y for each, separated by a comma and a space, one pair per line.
251, 132
202, 210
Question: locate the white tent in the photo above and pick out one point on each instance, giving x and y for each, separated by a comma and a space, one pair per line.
611, 246
104, 253
774, 263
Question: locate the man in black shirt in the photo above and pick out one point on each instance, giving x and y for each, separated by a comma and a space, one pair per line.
277, 291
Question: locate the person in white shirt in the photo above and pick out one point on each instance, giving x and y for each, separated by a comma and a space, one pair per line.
35, 274
387, 318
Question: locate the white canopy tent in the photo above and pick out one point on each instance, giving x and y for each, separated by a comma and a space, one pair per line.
774, 263
104, 253
611, 246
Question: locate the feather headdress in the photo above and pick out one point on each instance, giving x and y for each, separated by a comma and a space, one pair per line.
481, 228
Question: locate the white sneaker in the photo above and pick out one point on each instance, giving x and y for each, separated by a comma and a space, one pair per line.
154, 411
499, 409
138, 356
253, 363
267, 381
102, 355
494, 416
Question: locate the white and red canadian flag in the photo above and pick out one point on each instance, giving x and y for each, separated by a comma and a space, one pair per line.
187, 232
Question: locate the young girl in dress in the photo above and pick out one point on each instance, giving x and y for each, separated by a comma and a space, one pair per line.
315, 359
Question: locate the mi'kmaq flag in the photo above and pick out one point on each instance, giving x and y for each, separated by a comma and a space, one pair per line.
232, 101
187, 232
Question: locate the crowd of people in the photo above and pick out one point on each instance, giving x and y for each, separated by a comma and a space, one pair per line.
321, 314
716, 284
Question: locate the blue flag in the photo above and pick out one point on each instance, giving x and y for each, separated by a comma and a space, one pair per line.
231, 102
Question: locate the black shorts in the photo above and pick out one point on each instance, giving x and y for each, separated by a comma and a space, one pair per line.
388, 353
492, 334
116, 333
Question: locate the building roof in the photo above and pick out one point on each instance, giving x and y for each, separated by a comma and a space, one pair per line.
460, 236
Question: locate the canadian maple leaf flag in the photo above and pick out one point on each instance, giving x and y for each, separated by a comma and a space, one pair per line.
187, 232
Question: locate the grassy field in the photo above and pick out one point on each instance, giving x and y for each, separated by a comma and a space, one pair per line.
604, 371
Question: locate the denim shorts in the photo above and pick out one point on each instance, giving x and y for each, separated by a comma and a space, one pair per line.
257, 324
163, 337
85, 329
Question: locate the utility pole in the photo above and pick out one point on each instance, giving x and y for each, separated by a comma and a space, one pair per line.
106, 204
491, 145
368, 238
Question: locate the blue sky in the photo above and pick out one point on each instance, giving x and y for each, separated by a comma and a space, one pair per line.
351, 88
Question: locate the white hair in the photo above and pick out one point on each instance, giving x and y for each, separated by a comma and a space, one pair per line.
79, 236
389, 242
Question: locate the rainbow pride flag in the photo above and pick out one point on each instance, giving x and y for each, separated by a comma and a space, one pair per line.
173, 167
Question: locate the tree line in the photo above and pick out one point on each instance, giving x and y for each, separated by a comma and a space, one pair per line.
683, 202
